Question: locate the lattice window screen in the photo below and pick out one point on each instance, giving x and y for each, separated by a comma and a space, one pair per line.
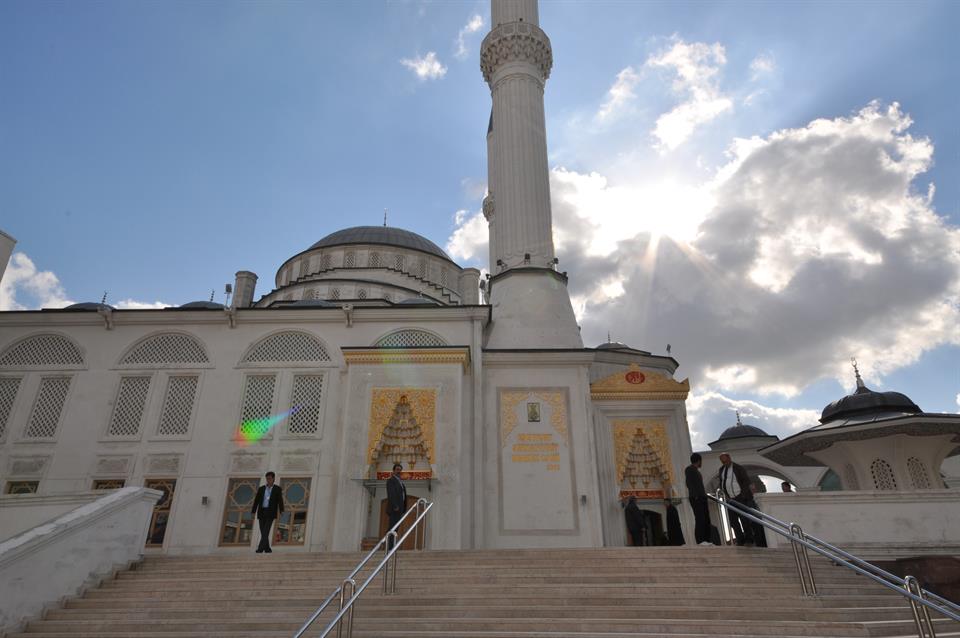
9, 386
312, 294
398, 262
362, 293
167, 348
850, 480
882, 473
387, 296
374, 260
410, 339
177, 406
325, 261
918, 474
422, 268
128, 410
443, 277
255, 419
42, 350
349, 259
305, 403
334, 293
288, 346
45, 415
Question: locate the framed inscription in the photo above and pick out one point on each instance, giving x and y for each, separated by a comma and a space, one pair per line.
533, 413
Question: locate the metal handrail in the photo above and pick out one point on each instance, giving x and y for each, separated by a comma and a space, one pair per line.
907, 587
349, 581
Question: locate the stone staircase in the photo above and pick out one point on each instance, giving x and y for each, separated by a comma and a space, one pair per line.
566, 593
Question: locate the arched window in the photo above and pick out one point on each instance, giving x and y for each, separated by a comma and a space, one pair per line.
286, 347
167, 349
830, 482
42, 350
349, 259
882, 473
850, 480
410, 339
918, 474
374, 260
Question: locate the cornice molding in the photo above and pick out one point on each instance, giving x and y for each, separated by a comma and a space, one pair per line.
415, 356
636, 385
515, 42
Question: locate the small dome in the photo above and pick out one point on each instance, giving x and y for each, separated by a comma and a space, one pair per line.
417, 301
203, 305
613, 345
866, 402
313, 303
740, 431
88, 305
384, 235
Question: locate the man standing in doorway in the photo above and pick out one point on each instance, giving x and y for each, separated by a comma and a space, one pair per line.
267, 506
698, 500
396, 498
735, 483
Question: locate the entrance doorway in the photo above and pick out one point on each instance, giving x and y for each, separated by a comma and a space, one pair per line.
652, 532
411, 542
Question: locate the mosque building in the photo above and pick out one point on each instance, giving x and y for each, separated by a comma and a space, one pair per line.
370, 347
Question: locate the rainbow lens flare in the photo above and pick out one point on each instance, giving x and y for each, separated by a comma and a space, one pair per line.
252, 430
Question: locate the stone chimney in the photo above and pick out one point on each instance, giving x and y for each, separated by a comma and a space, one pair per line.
6, 249
243, 288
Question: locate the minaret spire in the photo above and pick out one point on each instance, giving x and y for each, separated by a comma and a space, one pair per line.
531, 305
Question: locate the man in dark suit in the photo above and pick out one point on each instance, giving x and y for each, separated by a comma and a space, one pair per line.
267, 506
396, 498
698, 499
635, 522
735, 483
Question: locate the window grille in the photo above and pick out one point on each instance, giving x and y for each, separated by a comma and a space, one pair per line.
9, 386
334, 293
422, 268
410, 339
374, 260
292, 526
45, 415
312, 294
161, 511
918, 474
108, 484
443, 277
177, 406
166, 349
362, 293
398, 262
349, 259
237, 520
387, 296
882, 473
850, 480
305, 404
22, 487
42, 350
128, 409
288, 346
257, 406
325, 261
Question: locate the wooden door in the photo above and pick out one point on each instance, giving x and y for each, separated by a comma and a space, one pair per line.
404, 526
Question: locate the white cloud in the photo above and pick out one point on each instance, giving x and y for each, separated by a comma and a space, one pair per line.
25, 288
469, 241
761, 65
696, 66
710, 413
809, 246
427, 67
620, 94
958, 399
472, 26
133, 304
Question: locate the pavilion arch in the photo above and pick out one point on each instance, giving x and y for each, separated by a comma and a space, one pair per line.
43, 350
410, 338
756, 469
287, 347
167, 349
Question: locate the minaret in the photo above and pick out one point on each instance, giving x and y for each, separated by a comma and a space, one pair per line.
531, 305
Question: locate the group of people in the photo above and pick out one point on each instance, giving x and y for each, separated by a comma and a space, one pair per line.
268, 505
736, 485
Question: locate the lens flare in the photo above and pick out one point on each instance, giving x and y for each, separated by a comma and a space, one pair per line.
252, 430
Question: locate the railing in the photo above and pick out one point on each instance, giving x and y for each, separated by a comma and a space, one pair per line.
348, 592
921, 600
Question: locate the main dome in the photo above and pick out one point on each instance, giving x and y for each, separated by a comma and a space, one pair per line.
384, 235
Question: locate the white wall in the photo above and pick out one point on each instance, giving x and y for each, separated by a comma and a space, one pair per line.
20, 512
57, 559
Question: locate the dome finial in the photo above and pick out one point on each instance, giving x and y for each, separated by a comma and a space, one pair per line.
856, 371
103, 300
738, 417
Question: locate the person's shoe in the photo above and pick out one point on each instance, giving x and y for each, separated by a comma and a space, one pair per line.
268, 551
706, 543
259, 551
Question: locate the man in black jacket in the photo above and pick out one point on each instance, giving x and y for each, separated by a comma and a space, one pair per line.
396, 498
698, 499
267, 506
735, 483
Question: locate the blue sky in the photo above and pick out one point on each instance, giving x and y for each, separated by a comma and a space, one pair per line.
153, 149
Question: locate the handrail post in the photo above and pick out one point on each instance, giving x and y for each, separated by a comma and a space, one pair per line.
727, 535
346, 593
802, 557
391, 541
924, 624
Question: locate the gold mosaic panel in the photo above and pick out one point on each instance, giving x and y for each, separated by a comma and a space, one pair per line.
510, 399
656, 432
423, 404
